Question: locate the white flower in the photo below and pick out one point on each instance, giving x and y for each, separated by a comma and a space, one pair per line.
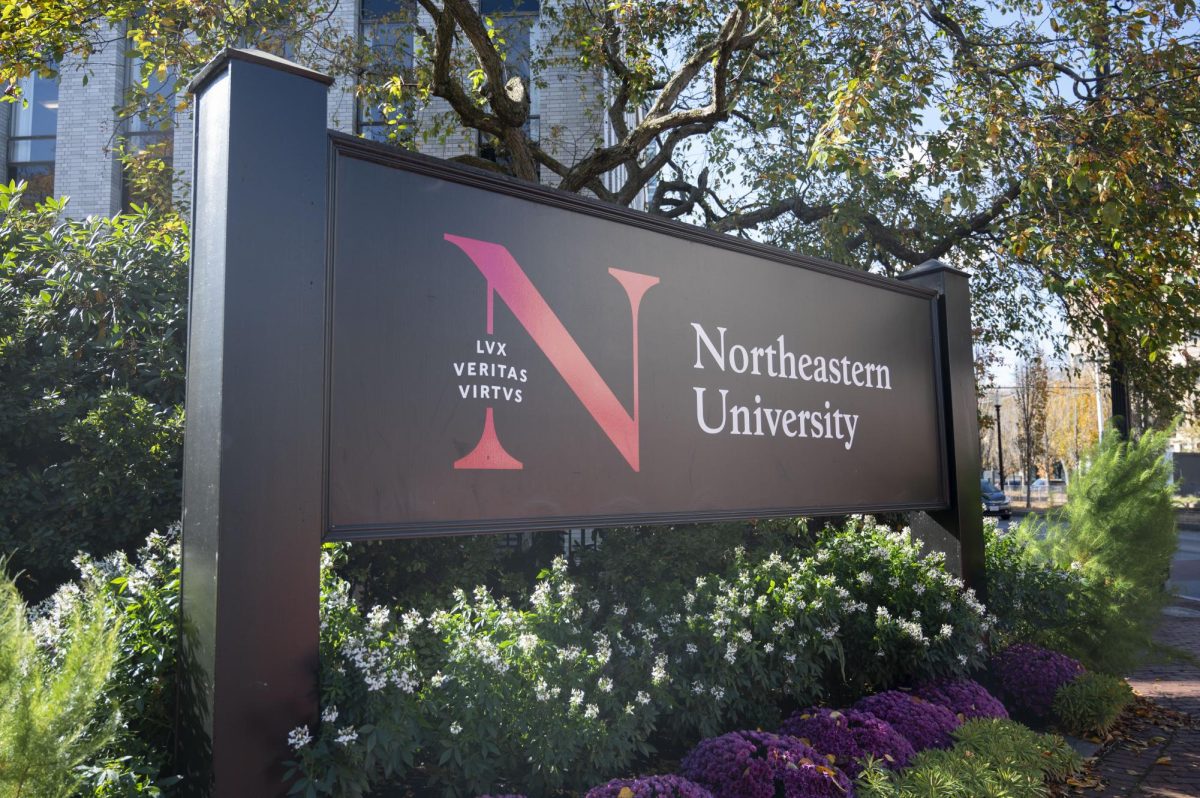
658, 674
605, 684
527, 642
698, 687
882, 613
591, 711
894, 582
377, 618
718, 692
642, 697
346, 735
791, 658
731, 653
962, 660
329, 714
576, 698
299, 737
620, 610
594, 605
829, 633
745, 636
456, 728
919, 588
691, 648
438, 679
768, 647
865, 577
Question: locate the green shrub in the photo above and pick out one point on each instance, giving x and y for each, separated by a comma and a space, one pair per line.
92, 325
53, 715
1091, 704
1091, 579
1036, 601
992, 757
141, 688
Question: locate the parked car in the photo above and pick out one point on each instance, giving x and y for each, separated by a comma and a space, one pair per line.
994, 500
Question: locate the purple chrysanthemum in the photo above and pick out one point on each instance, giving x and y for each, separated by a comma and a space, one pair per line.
923, 724
1030, 676
750, 764
849, 735
650, 787
966, 698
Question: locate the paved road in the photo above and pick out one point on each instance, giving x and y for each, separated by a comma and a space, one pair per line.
1185, 568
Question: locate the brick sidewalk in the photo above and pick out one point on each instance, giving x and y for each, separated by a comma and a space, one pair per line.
1163, 762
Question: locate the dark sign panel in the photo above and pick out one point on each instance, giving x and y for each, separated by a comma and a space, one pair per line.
503, 357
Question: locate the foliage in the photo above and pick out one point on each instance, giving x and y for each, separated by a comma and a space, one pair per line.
752, 763
1118, 530
54, 716
1050, 144
847, 736
906, 619
144, 594
967, 699
92, 324
571, 685
1030, 676
650, 787
1091, 704
639, 564
923, 723
990, 757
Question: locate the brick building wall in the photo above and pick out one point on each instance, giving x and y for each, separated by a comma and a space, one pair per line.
86, 168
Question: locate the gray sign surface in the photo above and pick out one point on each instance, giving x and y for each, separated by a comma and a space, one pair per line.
504, 358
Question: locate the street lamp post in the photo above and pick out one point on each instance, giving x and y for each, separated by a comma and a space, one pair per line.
1000, 442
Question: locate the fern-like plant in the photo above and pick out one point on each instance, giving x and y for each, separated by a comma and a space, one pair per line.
1091, 704
52, 710
1118, 530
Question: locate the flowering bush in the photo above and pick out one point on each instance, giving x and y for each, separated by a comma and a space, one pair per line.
1030, 676
924, 724
536, 697
370, 718
905, 618
650, 787
751, 764
966, 698
848, 736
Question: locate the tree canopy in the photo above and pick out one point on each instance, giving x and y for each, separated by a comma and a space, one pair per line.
1048, 146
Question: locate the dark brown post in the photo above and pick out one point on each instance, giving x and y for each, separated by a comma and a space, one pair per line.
252, 518
963, 519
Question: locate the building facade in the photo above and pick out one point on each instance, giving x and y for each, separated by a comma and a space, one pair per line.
66, 138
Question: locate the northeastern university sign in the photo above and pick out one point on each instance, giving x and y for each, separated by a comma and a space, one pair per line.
502, 356
386, 345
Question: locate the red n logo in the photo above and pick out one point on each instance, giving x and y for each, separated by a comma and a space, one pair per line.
505, 277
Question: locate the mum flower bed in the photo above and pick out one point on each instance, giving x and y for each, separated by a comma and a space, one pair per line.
965, 698
1030, 676
750, 764
849, 735
924, 724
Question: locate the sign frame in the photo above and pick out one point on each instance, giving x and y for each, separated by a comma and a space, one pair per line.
346, 146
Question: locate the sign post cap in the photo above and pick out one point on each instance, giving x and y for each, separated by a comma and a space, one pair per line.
932, 267
253, 56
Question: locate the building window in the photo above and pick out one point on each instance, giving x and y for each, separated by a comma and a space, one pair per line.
31, 137
514, 21
386, 33
149, 138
